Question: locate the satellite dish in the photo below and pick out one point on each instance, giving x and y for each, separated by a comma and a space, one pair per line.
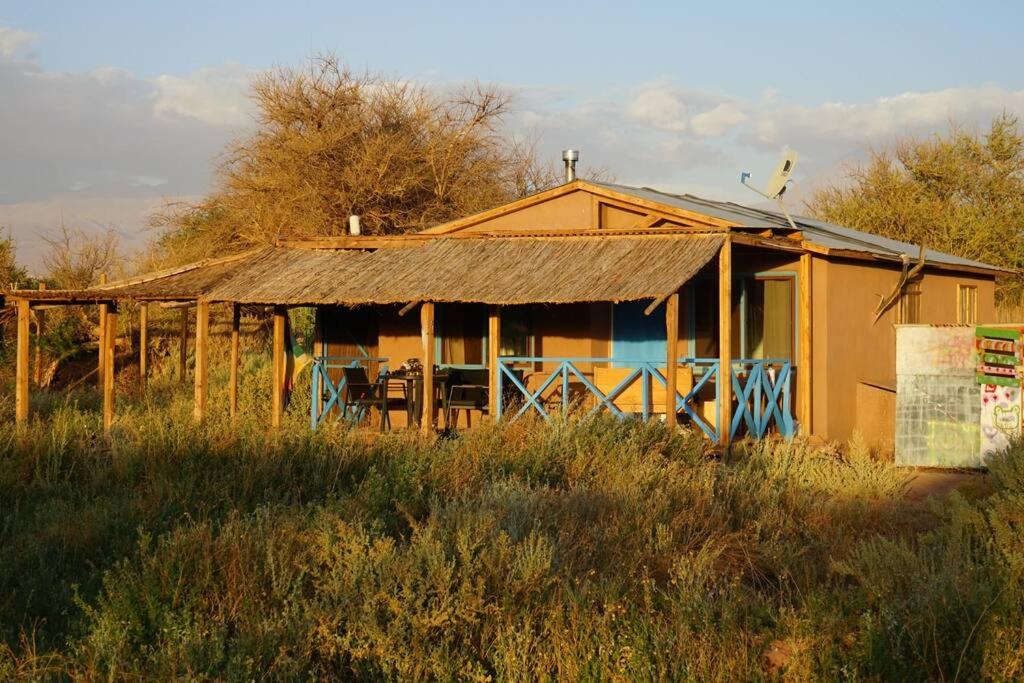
779, 178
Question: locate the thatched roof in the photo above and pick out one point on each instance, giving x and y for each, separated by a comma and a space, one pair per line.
184, 283
492, 271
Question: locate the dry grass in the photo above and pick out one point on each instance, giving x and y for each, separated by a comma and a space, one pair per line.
577, 550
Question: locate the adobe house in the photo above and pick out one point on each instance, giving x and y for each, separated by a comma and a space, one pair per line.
594, 296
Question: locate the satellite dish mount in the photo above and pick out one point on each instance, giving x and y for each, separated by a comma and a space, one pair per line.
777, 183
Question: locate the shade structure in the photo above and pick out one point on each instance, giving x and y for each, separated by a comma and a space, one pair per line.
497, 271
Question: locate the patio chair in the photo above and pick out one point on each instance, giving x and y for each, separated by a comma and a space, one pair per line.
467, 390
362, 395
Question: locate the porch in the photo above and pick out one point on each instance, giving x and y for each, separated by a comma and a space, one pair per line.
762, 391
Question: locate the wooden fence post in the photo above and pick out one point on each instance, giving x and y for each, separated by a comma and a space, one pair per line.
493, 351
427, 336
806, 341
183, 347
37, 369
233, 383
277, 399
202, 358
672, 359
724, 383
102, 356
21, 363
143, 345
110, 347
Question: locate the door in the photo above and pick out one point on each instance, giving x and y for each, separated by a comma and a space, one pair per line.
637, 337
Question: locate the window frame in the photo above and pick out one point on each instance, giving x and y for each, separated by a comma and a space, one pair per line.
739, 284
961, 289
912, 292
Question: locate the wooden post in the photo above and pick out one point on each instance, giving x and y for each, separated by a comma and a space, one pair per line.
110, 342
427, 334
724, 383
183, 347
202, 357
143, 345
233, 383
493, 350
277, 399
37, 368
672, 360
21, 363
103, 330
806, 341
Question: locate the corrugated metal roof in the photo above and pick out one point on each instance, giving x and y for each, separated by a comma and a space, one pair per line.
816, 232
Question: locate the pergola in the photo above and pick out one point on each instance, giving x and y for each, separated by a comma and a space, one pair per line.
554, 267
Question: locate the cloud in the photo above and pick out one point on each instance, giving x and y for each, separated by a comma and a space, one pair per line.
12, 40
676, 109
216, 96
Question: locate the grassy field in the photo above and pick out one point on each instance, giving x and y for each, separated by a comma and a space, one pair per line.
577, 550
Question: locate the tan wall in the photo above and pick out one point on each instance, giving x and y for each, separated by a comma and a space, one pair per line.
572, 211
850, 348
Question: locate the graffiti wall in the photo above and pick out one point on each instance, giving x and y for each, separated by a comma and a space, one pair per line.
938, 398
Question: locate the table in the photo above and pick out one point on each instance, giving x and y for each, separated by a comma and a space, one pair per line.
414, 390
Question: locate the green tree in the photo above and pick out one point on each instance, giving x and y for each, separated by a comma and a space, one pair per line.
960, 192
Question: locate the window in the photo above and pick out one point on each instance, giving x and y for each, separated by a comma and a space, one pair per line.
763, 317
908, 308
516, 331
461, 331
966, 304
768, 317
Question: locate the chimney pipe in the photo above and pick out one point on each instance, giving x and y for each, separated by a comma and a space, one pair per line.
353, 226
570, 157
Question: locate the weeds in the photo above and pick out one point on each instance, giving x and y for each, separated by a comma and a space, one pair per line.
575, 550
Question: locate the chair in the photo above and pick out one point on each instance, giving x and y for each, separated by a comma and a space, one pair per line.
467, 390
361, 395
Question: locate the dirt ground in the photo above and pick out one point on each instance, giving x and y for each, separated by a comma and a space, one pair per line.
932, 483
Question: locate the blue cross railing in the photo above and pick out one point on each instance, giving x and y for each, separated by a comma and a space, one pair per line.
325, 393
761, 389
763, 397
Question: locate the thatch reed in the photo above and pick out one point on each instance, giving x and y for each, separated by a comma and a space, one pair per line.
491, 271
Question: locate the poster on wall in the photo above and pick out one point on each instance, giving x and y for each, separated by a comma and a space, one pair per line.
937, 397
999, 352
1000, 418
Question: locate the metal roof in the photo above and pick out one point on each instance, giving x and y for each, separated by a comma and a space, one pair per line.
817, 232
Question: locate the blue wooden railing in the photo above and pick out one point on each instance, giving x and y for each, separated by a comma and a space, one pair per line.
325, 394
761, 389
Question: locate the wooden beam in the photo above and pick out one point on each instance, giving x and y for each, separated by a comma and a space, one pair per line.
408, 307
143, 345
183, 346
427, 337
202, 358
672, 357
110, 347
724, 379
493, 350
805, 340
37, 367
21, 363
103, 330
649, 222
236, 317
277, 390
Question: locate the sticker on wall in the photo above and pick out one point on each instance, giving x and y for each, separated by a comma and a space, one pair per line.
1000, 418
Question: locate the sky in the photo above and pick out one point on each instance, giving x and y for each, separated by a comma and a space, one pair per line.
110, 109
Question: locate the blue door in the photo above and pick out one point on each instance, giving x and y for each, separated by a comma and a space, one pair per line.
636, 336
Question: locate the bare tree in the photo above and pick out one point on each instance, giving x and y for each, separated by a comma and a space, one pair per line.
331, 143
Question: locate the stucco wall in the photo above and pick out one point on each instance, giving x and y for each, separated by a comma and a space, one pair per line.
850, 348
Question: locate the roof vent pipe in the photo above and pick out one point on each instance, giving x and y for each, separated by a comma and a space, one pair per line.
570, 157
353, 226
